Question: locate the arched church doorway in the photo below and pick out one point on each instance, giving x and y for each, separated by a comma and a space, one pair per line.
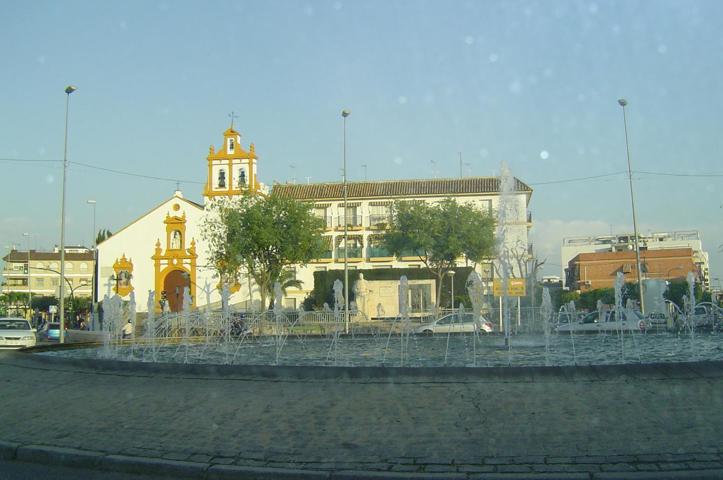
173, 285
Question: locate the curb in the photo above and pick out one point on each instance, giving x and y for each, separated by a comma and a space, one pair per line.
224, 472
8, 450
174, 468
89, 459
67, 457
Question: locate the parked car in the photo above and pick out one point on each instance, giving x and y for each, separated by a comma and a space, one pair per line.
52, 332
595, 322
457, 323
16, 333
705, 316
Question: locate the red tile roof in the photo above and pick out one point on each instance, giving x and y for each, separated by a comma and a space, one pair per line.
396, 188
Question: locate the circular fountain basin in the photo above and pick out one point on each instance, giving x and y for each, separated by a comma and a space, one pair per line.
417, 350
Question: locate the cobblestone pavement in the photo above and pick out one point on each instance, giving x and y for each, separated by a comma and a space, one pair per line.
658, 421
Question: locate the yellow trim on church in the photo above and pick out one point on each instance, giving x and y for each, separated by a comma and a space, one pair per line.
175, 257
231, 155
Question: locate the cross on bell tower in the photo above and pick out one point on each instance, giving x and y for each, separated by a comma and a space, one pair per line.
232, 116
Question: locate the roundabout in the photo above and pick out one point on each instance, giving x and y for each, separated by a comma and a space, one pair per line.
231, 421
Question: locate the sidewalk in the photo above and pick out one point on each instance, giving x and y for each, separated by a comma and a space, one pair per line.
297, 422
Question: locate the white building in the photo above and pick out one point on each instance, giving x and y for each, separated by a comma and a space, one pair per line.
573, 246
164, 250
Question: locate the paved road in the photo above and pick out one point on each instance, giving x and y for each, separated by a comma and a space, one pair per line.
464, 421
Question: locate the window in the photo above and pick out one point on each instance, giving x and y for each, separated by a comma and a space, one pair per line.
68, 266
83, 266
352, 216
242, 178
379, 215
230, 145
320, 212
40, 282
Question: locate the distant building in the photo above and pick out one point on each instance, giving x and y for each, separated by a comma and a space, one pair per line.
43, 276
573, 246
165, 251
589, 271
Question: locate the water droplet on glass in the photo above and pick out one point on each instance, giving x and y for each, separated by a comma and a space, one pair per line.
401, 100
469, 39
493, 57
544, 155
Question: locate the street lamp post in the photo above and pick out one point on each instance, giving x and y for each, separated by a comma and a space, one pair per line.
345, 113
451, 276
93, 282
30, 287
68, 90
623, 103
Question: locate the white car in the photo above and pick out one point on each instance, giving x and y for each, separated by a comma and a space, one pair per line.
16, 333
595, 322
457, 323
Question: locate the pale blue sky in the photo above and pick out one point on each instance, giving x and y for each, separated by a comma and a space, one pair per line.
533, 83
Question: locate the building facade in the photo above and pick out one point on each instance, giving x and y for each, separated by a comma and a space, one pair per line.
589, 271
369, 210
38, 273
573, 246
164, 251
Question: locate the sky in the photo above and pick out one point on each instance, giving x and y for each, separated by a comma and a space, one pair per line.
530, 83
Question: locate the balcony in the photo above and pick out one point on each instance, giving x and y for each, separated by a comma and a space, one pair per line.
355, 254
326, 257
379, 222
353, 222
379, 254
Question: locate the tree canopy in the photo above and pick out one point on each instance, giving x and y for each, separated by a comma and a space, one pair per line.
440, 233
262, 235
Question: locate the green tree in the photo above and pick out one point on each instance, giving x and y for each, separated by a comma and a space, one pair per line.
14, 302
103, 235
440, 233
264, 236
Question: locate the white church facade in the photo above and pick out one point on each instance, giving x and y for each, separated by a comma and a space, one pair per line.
164, 251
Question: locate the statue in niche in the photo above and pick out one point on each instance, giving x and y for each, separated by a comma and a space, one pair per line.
176, 240
222, 178
242, 179
124, 279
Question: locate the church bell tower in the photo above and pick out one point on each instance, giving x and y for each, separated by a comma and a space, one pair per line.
231, 169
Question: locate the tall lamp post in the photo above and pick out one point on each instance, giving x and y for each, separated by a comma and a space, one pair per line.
451, 276
93, 282
68, 90
623, 103
345, 113
30, 287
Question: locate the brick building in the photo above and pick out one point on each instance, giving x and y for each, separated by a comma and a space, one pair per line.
589, 271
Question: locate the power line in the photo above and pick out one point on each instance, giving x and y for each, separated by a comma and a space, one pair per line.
29, 160
667, 174
139, 175
577, 179
194, 182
